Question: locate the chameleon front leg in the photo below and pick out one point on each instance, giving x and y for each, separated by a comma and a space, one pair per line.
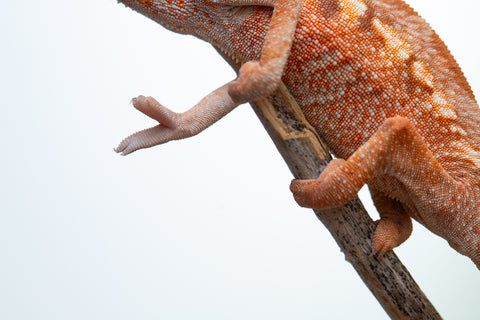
256, 80
395, 150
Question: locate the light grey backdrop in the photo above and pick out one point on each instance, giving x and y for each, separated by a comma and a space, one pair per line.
203, 228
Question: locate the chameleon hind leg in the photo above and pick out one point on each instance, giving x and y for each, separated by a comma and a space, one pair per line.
395, 150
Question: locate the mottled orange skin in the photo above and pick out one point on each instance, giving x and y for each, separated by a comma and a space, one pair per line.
377, 84
348, 97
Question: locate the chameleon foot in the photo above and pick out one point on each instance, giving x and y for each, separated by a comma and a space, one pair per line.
170, 127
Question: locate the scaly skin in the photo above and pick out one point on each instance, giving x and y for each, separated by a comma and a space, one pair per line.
377, 84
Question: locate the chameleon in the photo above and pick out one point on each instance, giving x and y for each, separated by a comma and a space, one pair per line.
373, 79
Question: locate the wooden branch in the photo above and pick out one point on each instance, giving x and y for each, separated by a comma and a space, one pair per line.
352, 228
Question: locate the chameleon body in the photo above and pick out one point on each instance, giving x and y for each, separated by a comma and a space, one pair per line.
376, 83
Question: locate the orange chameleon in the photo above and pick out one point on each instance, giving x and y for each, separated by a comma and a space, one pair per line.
374, 80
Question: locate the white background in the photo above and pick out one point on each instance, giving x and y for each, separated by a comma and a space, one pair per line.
203, 228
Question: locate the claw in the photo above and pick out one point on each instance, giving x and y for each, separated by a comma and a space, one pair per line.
121, 146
